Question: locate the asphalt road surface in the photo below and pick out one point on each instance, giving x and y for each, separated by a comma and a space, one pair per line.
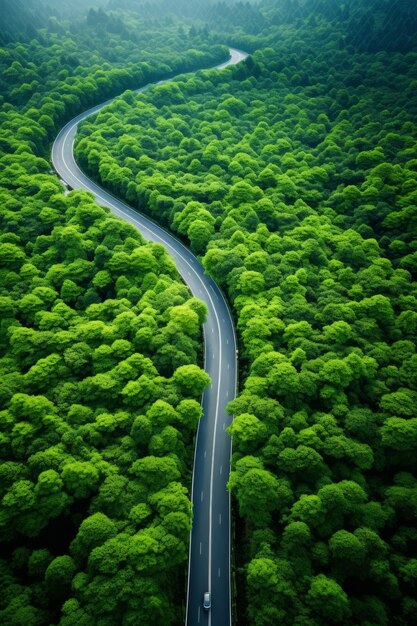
209, 562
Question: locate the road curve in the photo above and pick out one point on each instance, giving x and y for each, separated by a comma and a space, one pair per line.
209, 559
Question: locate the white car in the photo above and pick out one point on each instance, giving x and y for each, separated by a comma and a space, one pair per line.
207, 600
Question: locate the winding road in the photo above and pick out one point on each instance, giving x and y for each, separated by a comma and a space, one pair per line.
209, 560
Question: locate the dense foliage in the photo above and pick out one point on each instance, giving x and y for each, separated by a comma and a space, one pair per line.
59, 73
222, 18
19, 19
389, 25
101, 388
100, 345
377, 25
294, 176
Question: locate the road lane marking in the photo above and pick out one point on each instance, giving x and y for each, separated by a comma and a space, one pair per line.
202, 496
220, 518
198, 613
219, 573
205, 453
221, 469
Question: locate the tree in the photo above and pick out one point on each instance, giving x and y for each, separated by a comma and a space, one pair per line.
336, 372
189, 413
347, 551
141, 429
399, 403
243, 192
172, 499
11, 256
308, 509
251, 282
283, 380
155, 472
400, 434
258, 493
59, 575
191, 379
296, 538
185, 319
139, 393
262, 575
93, 531
248, 433
199, 234
328, 600
80, 478
302, 459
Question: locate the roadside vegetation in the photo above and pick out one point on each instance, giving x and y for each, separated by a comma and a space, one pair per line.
99, 359
293, 177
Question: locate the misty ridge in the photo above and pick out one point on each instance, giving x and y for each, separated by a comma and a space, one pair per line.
380, 24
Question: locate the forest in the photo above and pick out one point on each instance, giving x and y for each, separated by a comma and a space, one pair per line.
293, 177
101, 349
